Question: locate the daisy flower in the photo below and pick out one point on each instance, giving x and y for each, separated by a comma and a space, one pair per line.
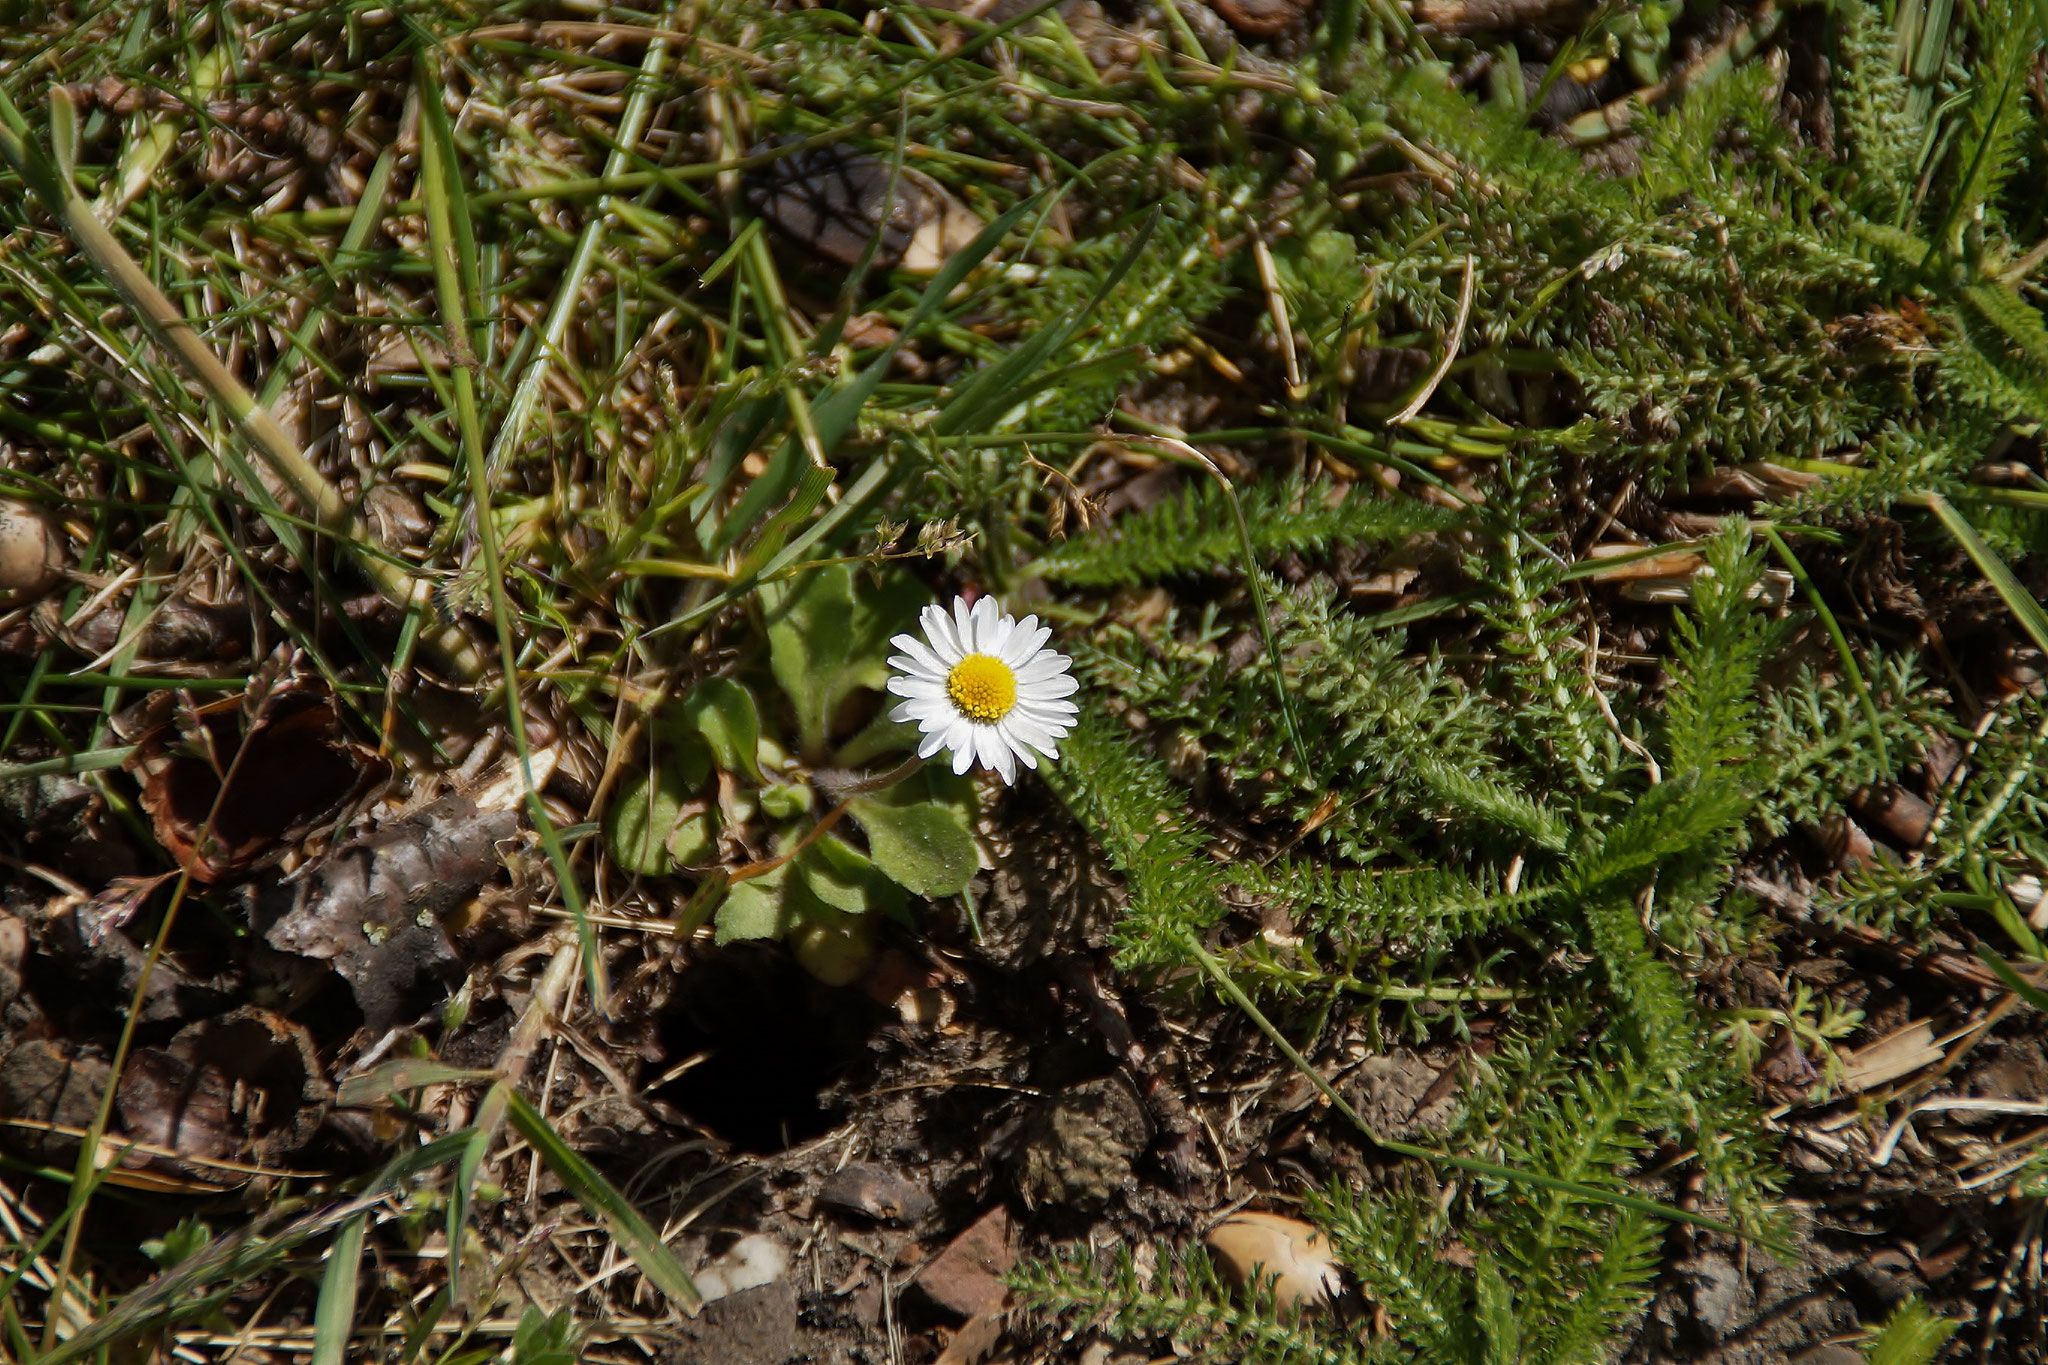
982, 685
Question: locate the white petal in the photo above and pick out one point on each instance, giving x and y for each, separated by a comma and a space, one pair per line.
923, 709
987, 746
987, 615
1006, 761
1047, 689
918, 653
938, 628
1020, 742
1023, 731
1028, 640
917, 687
908, 667
963, 759
933, 741
1046, 665
963, 625
996, 641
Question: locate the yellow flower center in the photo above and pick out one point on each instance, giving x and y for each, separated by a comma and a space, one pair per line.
983, 687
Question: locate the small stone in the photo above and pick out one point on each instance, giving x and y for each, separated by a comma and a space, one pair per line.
31, 552
749, 1263
13, 950
967, 1276
880, 1194
1720, 1295
50, 1083
759, 1326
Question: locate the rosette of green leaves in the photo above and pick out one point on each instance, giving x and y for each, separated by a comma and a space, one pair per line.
745, 752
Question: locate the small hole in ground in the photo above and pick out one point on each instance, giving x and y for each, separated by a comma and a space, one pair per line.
775, 1039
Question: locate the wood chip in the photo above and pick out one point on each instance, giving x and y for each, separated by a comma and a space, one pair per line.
1899, 1053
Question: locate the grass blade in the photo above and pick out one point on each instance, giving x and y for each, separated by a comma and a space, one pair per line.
991, 390
2017, 599
334, 1315
526, 393
639, 1241
454, 263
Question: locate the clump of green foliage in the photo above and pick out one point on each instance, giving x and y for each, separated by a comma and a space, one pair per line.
1467, 824
1460, 801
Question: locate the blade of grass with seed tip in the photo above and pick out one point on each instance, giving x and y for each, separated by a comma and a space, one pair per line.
334, 1314
863, 497
837, 413
2017, 599
89, 761
816, 436
460, 1192
763, 283
1180, 452
380, 1082
798, 457
441, 185
369, 212
636, 1238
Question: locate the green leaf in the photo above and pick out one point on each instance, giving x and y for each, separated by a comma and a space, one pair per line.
810, 639
638, 825
692, 841
2017, 599
836, 949
1913, 1335
1497, 1315
723, 712
2025, 989
544, 1338
840, 877
784, 800
754, 908
926, 846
